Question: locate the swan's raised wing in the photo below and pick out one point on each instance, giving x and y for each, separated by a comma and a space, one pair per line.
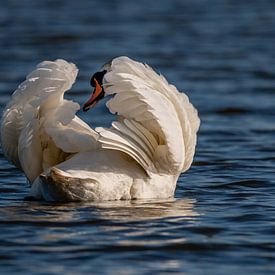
38, 126
157, 125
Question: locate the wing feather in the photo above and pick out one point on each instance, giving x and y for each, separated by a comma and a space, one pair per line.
163, 119
38, 125
158, 116
29, 148
144, 135
115, 140
131, 135
11, 125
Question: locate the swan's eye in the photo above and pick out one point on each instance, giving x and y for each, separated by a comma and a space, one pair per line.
92, 81
98, 76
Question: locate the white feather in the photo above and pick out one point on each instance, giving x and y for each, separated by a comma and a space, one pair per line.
38, 124
116, 140
132, 135
143, 96
29, 148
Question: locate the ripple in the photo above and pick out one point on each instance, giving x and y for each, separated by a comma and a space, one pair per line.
246, 218
232, 111
244, 183
264, 74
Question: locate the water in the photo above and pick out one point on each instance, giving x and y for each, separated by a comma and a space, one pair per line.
222, 220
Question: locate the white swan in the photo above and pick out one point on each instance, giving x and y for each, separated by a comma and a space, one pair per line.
141, 156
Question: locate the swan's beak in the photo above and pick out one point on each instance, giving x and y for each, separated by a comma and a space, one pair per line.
97, 94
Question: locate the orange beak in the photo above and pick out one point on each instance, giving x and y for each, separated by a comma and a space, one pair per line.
97, 94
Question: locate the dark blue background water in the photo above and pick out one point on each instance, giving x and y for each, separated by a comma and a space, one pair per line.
222, 54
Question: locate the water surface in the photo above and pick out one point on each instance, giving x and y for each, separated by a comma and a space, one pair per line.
222, 54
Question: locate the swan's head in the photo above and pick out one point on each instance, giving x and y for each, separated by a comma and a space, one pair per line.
98, 92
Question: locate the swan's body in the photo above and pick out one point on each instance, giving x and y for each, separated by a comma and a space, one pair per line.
140, 156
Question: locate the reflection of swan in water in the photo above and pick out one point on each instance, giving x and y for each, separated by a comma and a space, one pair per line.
120, 211
150, 236
135, 210
131, 220
182, 209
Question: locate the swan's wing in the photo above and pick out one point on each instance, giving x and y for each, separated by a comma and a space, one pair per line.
50, 79
190, 125
11, 126
158, 124
38, 124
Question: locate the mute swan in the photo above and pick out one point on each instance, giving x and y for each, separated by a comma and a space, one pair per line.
140, 156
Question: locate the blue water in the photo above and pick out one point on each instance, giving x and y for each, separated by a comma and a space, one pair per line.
222, 54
